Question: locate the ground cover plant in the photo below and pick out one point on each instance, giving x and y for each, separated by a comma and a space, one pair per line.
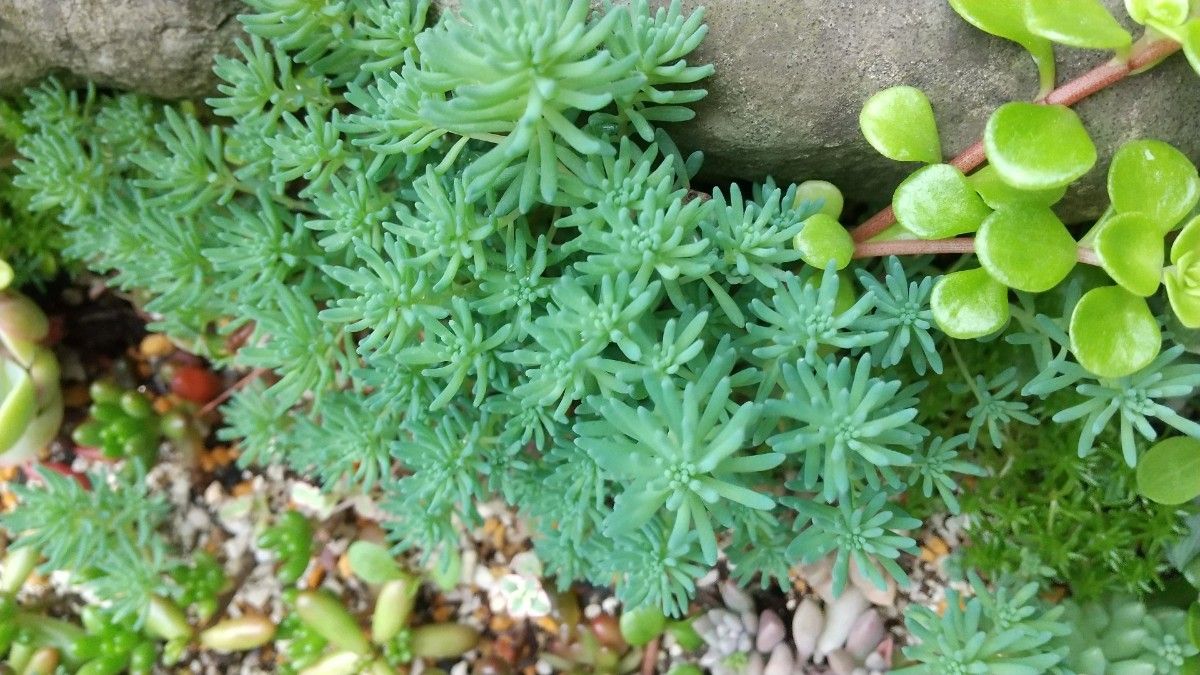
460, 259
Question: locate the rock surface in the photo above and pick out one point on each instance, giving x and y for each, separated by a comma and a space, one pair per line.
791, 78
159, 47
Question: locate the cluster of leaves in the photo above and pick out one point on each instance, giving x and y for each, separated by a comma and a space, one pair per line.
476, 268
30, 242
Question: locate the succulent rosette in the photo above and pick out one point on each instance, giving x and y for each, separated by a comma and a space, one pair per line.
31, 406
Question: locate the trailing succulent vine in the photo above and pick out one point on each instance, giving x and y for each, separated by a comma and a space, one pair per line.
471, 263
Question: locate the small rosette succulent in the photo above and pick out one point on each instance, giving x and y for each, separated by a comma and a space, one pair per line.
31, 406
1182, 278
1119, 635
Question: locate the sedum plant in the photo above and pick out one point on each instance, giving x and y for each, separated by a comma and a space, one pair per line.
464, 260
31, 407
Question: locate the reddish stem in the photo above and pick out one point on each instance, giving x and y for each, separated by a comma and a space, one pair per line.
961, 245
879, 249
225, 395
1091, 82
650, 657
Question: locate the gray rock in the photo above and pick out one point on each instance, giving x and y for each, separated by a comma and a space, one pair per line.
159, 47
792, 76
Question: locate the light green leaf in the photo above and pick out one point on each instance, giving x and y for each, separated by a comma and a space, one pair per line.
1077, 23
937, 202
823, 241
969, 304
1131, 250
1182, 279
1026, 247
1169, 472
1155, 179
1006, 19
1113, 332
1165, 12
1191, 43
640, 625
826, 193
1038, 147
373, 563
899, 123
1187, 241
996, 193
6, 274
18, 402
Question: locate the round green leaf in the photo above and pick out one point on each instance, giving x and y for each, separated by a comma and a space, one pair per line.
1165, 12
996, 193
1113, 332
823, 241
1026, 247
1131, 250
828, 194
899, 123
1155, 179
6, 274
937, 202
1038, 147
969, 304
373, 563
1169, 472
640, 625
1006, 19
1078, 23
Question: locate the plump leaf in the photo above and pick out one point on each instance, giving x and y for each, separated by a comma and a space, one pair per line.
1155, 179
1191, 43
823, 241
640, 625
373, 563
18, 402
823, 192
899, 123
1026, 247
1038, 147
1188, 240
969, 304
937, 202
996, 193
1006, 19
1169, 472
1165, 12
1113, 332
1131, 250
1078, 23
1182, 279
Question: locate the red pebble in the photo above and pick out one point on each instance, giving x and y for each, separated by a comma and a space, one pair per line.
195, 384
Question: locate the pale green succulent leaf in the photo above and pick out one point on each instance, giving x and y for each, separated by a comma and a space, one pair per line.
970, 304
823, 242
1113, 333
1154, 179
1085, 24
899, 123
1169, 472
1038, 147
937, 202
1026, 248
1131, 250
